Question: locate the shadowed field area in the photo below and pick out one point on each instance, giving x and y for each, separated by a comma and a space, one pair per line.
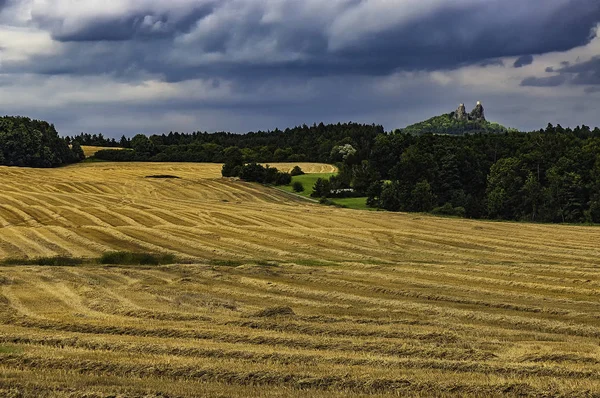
282, 297
92, 150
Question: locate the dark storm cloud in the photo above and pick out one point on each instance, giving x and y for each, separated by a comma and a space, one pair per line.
453, 35
523, 60
222, 38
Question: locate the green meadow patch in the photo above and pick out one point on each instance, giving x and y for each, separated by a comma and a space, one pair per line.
308, 181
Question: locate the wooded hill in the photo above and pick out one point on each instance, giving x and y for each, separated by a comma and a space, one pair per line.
449, 125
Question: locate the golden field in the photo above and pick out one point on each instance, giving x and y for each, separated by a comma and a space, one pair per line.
89, 150
279, 297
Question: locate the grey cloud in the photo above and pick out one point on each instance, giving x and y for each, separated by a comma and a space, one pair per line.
550, 81
523, 60
491, 62
582, 74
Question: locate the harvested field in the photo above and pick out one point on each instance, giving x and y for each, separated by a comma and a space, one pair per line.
282, 297
309, 168
91, 150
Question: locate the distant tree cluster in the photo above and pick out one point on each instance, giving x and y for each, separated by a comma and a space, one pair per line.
34, 143
252, 172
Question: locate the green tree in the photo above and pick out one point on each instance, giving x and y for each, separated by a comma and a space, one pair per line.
363, 176
124, 142
144, 148
374, 194
504, 186
533, 196
321, 189
422, 198
296, 171
234, 162
32, 143
567, 194
394, 196
77, 151
297, 186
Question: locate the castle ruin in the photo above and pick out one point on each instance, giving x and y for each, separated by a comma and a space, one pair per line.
476, 114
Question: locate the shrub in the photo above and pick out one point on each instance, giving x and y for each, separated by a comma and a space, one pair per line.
131, 258
296, 171
282, 178
45, 261
297, 186
253, 172
231, 170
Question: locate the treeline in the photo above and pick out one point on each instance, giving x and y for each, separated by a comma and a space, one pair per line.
34, 143
99, 140
551, 175
299, 144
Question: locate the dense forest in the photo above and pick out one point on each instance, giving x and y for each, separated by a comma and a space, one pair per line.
34, 143
551, 175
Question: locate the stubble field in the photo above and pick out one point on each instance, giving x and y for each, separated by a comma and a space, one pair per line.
277, 296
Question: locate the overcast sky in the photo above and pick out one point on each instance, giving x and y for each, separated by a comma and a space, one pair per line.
153, 66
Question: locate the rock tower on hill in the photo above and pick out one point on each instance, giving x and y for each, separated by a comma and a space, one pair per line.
476, 114
461, 113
